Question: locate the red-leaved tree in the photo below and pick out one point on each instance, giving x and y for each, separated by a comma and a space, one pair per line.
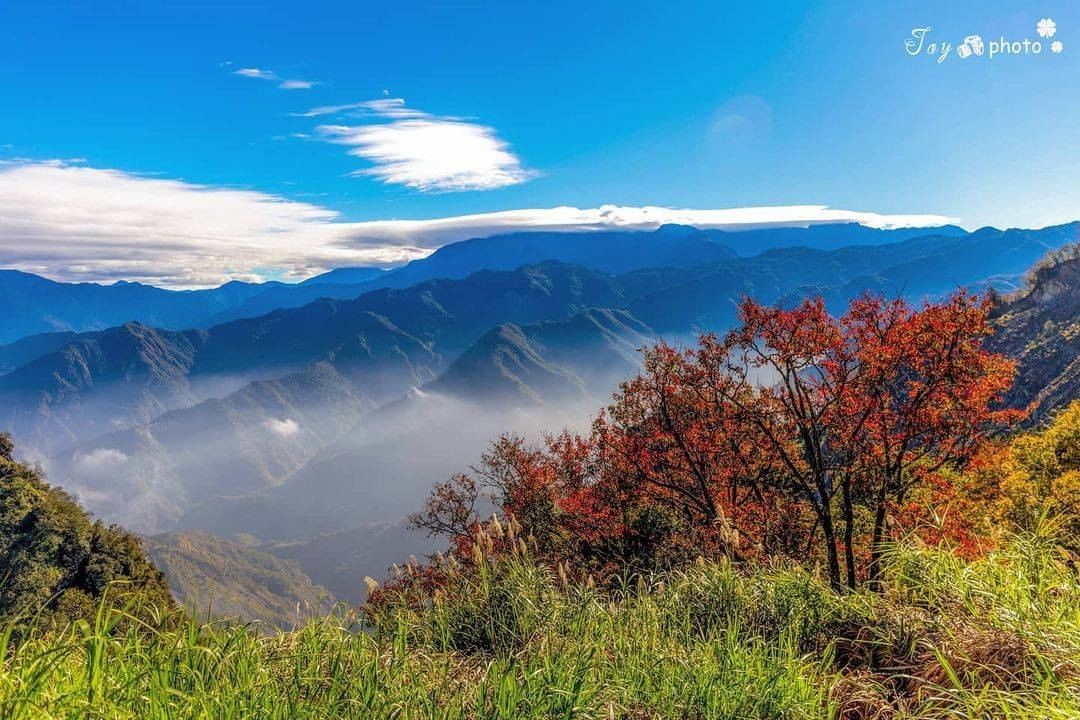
765, 442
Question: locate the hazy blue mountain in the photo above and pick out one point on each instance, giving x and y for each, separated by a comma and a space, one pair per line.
551, 362
385, 341
36, 305
831, 236
31, 304
612, 251
32, 347
917, 268
340, 284
344, 276
146, 476
609, 251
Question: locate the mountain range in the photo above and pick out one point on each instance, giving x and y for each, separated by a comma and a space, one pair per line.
35, 305
392, 338
311, 430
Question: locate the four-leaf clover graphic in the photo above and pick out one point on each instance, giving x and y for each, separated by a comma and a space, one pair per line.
1056, 46
1046, 28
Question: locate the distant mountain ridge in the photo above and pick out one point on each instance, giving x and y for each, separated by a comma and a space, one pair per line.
33, 304
37, 305
390, 339
131, 374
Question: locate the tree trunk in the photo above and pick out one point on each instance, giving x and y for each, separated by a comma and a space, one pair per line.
877, 538
849, 532
830, 548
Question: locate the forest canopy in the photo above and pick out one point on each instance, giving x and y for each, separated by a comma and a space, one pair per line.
57, 562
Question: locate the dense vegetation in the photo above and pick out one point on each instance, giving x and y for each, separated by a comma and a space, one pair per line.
997, 637
56, 563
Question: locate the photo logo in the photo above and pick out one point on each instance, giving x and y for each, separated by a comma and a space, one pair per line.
922, 43
972, 45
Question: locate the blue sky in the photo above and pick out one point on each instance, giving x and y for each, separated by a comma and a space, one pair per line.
684, 105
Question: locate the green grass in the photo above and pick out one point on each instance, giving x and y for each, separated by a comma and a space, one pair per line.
995, 638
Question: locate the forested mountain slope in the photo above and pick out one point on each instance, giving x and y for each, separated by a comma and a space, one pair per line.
1040, 326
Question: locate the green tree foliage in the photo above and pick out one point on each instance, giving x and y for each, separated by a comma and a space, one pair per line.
55, 560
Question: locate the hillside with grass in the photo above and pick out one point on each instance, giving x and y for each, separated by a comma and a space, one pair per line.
510, 639
213, 577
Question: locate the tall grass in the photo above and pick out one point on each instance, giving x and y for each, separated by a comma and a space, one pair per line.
995, 638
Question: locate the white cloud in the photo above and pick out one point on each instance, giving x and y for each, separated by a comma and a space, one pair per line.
82, 223
422, 151
285, 84
297, 84
100, 459
393, 108
285, 428
256, 73
90, 224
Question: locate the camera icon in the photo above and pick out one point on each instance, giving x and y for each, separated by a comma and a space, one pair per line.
972, 45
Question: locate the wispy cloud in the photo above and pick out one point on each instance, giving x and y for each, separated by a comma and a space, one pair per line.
297, 84
392, 108
261, 74
255, 73
422, 151
78, 223
100, 458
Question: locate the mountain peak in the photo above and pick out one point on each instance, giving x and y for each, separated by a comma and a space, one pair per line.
675, 230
